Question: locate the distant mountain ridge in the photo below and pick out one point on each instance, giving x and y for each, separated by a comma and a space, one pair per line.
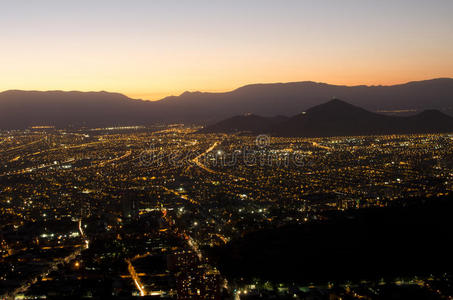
20, 109
336, 118
293, 97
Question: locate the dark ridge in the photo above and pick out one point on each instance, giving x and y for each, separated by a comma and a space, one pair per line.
338, 118
372, 243
20, 109
247, 123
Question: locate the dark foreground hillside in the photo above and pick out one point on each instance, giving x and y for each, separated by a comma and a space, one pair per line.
407, 239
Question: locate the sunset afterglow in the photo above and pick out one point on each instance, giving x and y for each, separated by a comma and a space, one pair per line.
152, 49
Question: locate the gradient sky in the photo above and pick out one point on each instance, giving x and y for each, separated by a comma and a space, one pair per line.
150, 49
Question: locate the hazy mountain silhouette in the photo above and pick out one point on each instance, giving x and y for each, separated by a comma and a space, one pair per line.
337, 118
19, 109
291, 98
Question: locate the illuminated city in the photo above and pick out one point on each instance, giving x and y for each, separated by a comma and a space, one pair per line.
136, 208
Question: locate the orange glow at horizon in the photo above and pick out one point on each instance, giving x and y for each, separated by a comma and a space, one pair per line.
153, 49
385, 82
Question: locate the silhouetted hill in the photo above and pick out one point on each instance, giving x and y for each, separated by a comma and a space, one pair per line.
408, 238
338, 118
246, 123
20, 109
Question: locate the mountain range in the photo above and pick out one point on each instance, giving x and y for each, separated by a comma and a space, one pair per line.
335, 118
21, 109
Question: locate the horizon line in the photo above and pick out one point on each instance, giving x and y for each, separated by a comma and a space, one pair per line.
223, 91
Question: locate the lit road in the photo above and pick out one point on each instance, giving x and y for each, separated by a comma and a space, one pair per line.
223, 238
15, 159
137, 282
82, 234
197, 162
184, 197
315, 144
24, 145
127, 154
